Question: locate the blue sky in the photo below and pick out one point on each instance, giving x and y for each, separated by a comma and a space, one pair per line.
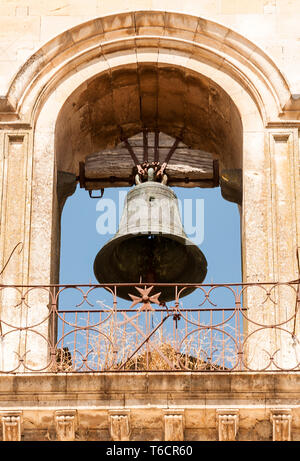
80, 241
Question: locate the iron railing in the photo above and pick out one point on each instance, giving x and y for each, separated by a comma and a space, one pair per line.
88, 328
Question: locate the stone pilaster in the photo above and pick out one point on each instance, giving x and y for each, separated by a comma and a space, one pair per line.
15, 192
284, 161
11, 426
65, 425
271, 218
119, 425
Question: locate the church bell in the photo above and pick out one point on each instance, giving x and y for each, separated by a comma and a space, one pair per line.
150, 245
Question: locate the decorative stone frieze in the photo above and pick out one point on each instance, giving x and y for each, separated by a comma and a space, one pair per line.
174, 425
119, 425
227, 424
11, 426
281, 420
65, 425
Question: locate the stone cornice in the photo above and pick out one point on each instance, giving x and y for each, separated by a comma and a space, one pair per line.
44, 390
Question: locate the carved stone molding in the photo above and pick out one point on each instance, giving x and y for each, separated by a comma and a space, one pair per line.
119, 425
11, 426
65, 425
174, 425
281, 420
227, 424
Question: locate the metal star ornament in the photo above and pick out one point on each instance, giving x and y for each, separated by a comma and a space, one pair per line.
145, 299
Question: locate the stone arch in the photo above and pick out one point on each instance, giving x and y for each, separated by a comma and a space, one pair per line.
195, 39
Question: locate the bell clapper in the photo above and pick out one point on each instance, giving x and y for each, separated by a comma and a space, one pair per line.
150, 276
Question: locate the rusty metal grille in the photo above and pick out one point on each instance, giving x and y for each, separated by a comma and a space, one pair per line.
87, 328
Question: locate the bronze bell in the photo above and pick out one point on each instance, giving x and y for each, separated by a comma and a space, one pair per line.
150, 245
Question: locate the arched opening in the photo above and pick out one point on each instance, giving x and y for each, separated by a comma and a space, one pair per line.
103, 125
184, 116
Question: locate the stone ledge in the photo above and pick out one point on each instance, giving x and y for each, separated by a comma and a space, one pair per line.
156, 386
